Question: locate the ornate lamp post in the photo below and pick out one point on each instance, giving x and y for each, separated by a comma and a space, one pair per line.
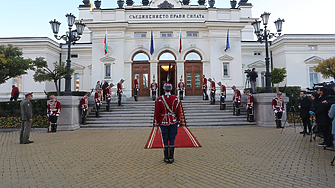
265, 36
70, 37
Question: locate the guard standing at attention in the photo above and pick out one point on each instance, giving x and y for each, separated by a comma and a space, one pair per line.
167, 115
84, 107
53, 112
213, 89
222, 96
250, 106
278, 108
236, 100
119, 91
26, 118
109, 96
98, 101
154, 88
136, 87
181, 89
204, 87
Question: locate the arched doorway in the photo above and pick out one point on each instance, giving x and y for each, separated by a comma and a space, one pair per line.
193, 73
166, 65
141, 68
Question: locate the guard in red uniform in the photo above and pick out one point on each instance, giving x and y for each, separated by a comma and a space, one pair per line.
98, 101
84, 107
250, 106
53, 112
167, 115
213, 89
222, 96
278, 108
181, 89
154, 88
15, 93
136, 87
119, 91
108, 92
204, 88
236, 100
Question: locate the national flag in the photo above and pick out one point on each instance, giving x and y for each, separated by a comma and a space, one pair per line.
105, 42
227, 43
180, 42
152, 49
91, 4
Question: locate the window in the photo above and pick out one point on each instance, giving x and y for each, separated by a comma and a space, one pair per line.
257, 53
141, 57
166, 35
313, 77
192, 56
312, 47
76, 78
263, 79
189, 80
107, 70
140, 35
17, 81
145, 80
167, 56
74, 55
192, 34
197, 79
225, 69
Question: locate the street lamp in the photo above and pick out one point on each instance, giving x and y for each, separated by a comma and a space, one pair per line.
70, 37
264, 36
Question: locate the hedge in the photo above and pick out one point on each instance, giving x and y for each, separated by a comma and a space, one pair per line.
74, 93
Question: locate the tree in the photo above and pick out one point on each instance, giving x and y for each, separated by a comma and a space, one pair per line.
326, 68
278, 75
44, 73
12, 64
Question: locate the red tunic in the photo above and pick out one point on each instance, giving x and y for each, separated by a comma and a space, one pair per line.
54, 108
250, 101
84, 103
119, 87
98, 97
136, 85
108, 92
213, 86
14, 90
162, 114
223, 90
154, 86
181, 86
204, 83
237, 96
278, 104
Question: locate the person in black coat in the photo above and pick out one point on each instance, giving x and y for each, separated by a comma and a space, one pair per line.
305, 106
104, 86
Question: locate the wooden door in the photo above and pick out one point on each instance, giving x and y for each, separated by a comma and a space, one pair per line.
193, 72
143, 71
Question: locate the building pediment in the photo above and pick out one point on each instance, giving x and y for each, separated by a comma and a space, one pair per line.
258, 63
314, 60
165, 4
77, 66
226, 57
107, 59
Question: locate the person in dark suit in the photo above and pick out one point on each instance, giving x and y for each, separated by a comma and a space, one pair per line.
305, 106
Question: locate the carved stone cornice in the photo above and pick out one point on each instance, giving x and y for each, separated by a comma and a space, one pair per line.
226, 57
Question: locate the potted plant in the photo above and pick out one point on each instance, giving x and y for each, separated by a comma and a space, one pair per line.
97, 4
86, 2
120, 3
233, 4
211, 3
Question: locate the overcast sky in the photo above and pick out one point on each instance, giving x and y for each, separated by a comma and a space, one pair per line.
21, 18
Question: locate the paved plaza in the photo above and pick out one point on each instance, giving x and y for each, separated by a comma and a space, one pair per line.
230, 157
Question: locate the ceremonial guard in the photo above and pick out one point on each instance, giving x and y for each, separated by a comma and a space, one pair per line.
278, 108
26, 118
204, 88
167, 115
213, 89
84, 107
53, 112
15, 93
154, 88
109, 96
136, 87
98, 101
181, 89
236, 100
250, 106
222, 96
119, 91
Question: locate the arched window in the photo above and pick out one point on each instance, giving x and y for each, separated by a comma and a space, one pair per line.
193, 56
167, 56
141, 56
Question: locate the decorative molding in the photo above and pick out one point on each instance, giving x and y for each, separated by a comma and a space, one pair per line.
166, 45
140, 46
165, 5
226, 57
77, 66
193, 45
313, 60
258, 63
107, 59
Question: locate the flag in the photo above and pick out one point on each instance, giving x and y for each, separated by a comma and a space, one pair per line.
180, 42
105, 42
91, 4
152, 49
227, 43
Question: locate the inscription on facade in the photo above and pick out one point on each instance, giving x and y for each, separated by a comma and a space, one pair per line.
165, 16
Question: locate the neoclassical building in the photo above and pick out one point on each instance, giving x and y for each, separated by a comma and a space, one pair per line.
204, 32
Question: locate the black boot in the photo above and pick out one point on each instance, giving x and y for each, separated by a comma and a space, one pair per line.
166, 154
55, 125
238, 112
171, 153
279, 122
52, 127
96, 114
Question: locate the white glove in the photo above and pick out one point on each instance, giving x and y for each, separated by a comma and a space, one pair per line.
109, 98
276, 111
84, 110
239, 101
48, 115
98, 104
283, 111
57, 115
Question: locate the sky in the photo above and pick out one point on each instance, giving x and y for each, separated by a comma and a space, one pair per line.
27, 18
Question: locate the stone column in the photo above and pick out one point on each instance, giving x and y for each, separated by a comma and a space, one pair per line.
180, 69
153, 71
68, 119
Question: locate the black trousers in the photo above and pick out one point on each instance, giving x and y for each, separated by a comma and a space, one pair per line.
205, 94
181, 95
307, 123
279, 115
53, 121
153, 93
327, 135
119, 95
14, 98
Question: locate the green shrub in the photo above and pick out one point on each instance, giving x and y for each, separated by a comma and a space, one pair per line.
74, 93
15, 122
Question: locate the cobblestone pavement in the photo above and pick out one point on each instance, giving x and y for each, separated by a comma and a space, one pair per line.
230, 157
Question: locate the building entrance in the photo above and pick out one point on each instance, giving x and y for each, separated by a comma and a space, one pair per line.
163, 70
143, 71
193, 72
